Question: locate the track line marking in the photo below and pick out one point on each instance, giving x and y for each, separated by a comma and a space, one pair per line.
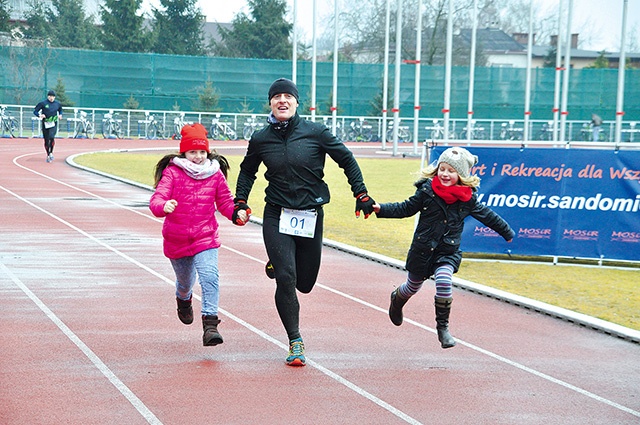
340, 293
99, 364
360, 391
496, 356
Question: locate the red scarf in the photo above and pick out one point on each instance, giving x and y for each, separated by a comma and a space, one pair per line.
451, 194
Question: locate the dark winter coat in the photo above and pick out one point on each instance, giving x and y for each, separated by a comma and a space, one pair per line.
437, 237
49, 109
295, 162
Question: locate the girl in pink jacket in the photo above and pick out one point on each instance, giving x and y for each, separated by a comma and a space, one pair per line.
190, 187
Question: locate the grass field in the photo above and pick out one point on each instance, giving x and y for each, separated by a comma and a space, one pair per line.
608, 293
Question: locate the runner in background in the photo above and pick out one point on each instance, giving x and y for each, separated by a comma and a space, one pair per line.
50, 112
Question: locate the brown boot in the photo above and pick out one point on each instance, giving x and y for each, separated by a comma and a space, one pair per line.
443, 309
395, 307
185, 311
210, 336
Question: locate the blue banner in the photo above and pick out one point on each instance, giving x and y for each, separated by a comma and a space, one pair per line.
564, 202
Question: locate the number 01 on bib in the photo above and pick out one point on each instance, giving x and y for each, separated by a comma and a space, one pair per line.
298, 222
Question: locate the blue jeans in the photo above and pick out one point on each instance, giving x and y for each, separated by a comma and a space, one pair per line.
204, 265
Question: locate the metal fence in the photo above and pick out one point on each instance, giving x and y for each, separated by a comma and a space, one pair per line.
19, 121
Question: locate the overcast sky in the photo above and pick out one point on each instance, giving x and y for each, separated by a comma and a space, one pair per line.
599, 22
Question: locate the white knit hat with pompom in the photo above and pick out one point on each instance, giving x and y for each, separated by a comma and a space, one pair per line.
460, 159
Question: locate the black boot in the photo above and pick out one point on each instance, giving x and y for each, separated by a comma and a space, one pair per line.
395, 307
210, 336
185, 311
443, 308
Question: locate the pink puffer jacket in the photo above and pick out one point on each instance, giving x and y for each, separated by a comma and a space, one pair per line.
192, 227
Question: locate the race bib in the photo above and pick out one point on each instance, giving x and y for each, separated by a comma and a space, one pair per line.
49, 124
298, 222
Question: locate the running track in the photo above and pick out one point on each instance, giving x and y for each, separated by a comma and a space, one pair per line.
90, 335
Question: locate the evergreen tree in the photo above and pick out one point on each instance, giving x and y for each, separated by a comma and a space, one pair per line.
266, 34
71, 27
122, 28
549, 60
131, 103
601, 61
208, 98
36, 24
5, 14
177, 29
61, 95
377, 103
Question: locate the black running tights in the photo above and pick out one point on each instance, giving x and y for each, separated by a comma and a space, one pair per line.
296, 262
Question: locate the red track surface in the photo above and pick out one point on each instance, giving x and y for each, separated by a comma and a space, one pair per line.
90, 334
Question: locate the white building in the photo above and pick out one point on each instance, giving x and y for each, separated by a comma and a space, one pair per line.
18, 7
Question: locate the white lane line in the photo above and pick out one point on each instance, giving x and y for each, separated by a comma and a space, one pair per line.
358, 390
109, 201
381, 403
99, 364
367, 304
495, 356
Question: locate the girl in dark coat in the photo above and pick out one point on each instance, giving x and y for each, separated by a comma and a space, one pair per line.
446, 194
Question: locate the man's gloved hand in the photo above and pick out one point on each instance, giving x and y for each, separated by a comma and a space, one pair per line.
364, 203
238, 206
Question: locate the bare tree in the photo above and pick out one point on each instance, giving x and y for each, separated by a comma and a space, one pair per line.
633, 39
363, 26
26, 71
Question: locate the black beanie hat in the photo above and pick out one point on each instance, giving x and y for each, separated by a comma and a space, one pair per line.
282, 85
51, 93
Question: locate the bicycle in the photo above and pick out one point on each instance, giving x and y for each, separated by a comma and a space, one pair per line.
360, 131
509, 132
587, 133
152, 128
404, 135
178, 123
631, 131
340, 131
251, 125
8, 123
221, 130
546, 131
473, 133
437, 131
111, 126
83, 128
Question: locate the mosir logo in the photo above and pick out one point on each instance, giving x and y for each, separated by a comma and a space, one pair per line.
582, 235
484, 231
534, 233
625, 236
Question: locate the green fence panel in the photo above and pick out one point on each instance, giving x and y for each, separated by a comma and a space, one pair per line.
96, 79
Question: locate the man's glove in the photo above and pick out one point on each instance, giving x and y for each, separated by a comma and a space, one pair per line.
240, 205
364, 203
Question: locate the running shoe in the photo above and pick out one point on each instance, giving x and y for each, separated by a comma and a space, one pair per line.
48, 158
296, 353
269, 270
